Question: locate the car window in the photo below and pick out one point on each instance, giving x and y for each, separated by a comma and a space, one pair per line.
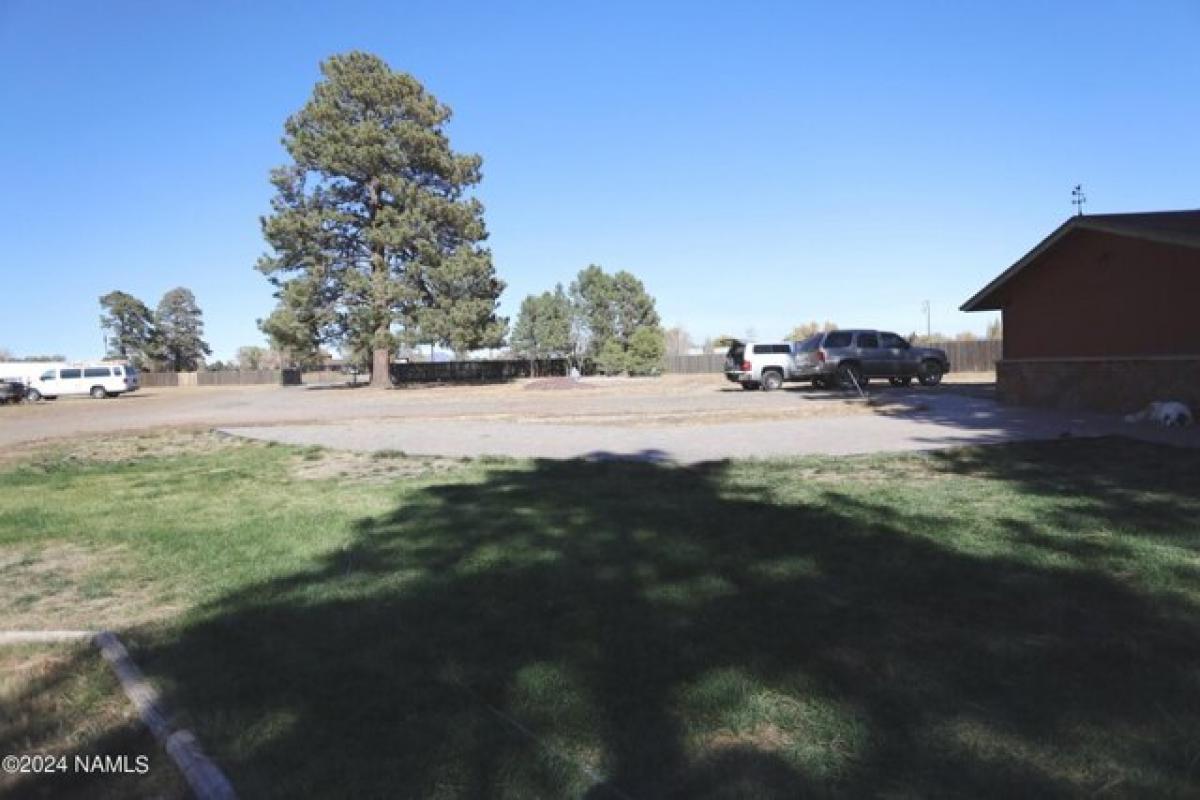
810, 344
69, 373
116, 370
97, 372
735, 353
48, 375
892, 341
760, 349
868, 340
838, 339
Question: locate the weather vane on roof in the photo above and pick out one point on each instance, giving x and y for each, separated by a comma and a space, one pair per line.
1078, 198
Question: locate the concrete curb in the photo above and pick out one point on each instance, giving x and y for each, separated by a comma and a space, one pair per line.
202, 775
206, 780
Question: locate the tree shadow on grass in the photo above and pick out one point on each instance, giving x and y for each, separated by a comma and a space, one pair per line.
608, 629
1112, 482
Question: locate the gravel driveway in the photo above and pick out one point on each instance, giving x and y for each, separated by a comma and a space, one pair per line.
684, 418
915, 420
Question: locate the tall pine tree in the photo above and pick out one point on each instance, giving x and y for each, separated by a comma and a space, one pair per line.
375, 241
180, 330
543, 326
129, 328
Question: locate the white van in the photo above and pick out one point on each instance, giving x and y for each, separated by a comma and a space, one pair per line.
97, 380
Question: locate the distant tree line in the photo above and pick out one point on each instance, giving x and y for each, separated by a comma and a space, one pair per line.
169, 338
7, 355
608, 321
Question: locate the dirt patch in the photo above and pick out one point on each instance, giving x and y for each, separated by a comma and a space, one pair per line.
64, 586
829, 408
384, 466
765, 737
557, 384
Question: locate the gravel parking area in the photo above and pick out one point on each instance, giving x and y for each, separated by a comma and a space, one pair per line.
911, 420
682, 418
615, 402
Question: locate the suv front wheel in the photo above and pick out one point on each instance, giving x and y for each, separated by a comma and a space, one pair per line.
931, 373
771, 380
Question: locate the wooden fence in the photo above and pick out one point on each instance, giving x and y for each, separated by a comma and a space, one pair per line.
476, 371
978, 356
248, 377
693, 364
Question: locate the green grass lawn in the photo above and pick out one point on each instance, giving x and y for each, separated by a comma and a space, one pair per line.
996, 622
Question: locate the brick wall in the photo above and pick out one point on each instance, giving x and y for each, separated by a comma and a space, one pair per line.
1099, 384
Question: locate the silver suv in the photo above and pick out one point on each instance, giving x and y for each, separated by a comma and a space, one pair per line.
759, 364
847, 357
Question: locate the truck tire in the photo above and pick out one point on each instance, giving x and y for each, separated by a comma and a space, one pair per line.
33, 395
771, 380
931, 373
98, 393
849, 374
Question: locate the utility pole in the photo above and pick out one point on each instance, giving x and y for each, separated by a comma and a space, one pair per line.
1078, 198
928, 326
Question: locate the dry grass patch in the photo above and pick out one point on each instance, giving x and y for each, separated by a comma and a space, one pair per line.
67, 586
118, 448
62, 701
766, 737
384, 466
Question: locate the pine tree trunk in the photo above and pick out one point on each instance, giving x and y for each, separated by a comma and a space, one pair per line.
380, 368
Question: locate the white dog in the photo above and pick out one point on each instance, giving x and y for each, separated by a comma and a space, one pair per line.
1169, 414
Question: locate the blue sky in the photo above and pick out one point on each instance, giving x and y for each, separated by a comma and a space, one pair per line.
757, 164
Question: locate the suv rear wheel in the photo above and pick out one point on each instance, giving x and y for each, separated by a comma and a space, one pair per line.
98, 393
850, 374
931, 373
771, 380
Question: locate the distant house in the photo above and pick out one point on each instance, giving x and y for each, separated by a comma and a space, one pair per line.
1104, 314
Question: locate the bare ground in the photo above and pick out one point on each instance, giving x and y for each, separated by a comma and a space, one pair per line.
669, 400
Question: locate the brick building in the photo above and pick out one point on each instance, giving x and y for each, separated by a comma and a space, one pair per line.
1103, 314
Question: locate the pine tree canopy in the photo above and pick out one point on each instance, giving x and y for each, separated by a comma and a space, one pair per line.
180, 330
610, 307
543, 326
374, 240
130, 328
